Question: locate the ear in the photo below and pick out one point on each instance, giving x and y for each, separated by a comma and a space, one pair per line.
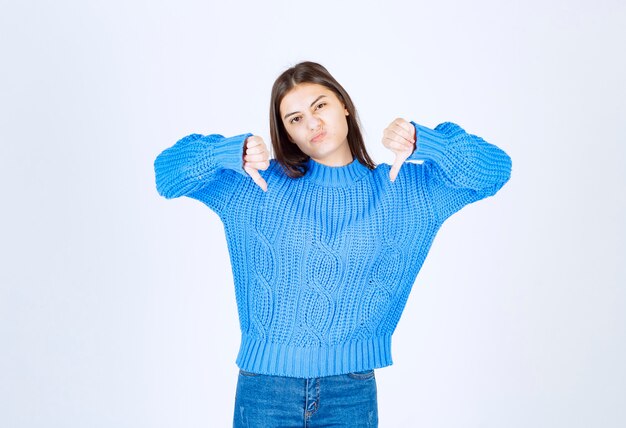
346, 111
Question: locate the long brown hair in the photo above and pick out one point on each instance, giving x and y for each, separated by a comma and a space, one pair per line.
289, 155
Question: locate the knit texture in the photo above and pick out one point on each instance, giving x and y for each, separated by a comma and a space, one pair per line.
323, 264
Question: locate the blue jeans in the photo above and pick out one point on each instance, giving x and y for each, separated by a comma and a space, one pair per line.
347, 400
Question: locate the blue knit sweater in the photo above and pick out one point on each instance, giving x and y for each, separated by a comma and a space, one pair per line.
323, 264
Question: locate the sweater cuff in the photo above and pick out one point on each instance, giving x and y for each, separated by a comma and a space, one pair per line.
429, 144
228, 152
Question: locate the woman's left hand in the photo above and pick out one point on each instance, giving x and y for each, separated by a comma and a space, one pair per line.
399, 137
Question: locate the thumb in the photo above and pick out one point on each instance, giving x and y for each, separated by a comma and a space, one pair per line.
256, 177
395, 168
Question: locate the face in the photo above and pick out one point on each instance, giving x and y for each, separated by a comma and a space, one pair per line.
315, 120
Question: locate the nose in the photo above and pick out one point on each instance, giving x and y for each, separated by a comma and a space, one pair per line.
314, 122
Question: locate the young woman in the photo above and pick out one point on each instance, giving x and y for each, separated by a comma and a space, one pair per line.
324, 245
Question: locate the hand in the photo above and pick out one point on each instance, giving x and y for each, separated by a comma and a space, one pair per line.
399, 137
256, 157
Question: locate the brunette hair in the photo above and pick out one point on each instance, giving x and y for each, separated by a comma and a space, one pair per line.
289, 155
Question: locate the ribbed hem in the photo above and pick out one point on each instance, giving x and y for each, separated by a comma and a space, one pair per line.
259, 356
228, 152
429, 144
335, 175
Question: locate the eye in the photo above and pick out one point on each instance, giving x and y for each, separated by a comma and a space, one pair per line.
321, 104
292, 120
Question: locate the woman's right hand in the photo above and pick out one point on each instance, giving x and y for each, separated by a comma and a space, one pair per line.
399, 137
256, 157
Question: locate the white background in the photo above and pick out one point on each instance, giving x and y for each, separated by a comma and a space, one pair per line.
117, 306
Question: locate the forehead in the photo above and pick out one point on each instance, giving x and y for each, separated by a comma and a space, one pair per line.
304, 94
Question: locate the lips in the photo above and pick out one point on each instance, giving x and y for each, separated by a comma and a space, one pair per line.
318, 137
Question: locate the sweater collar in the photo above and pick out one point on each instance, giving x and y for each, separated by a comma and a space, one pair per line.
335, 175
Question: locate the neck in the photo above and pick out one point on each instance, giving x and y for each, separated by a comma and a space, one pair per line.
337, 176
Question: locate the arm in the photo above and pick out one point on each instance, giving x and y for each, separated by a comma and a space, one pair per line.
459, 168
201, 167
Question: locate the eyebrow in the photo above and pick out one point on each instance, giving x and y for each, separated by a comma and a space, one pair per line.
312, 104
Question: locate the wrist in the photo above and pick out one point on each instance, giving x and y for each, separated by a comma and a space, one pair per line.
429, 143
229, 152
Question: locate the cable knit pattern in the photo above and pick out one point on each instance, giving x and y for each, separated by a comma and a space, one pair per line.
323, 265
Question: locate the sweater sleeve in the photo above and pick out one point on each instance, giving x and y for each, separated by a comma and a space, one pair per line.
207, 168
459, 168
